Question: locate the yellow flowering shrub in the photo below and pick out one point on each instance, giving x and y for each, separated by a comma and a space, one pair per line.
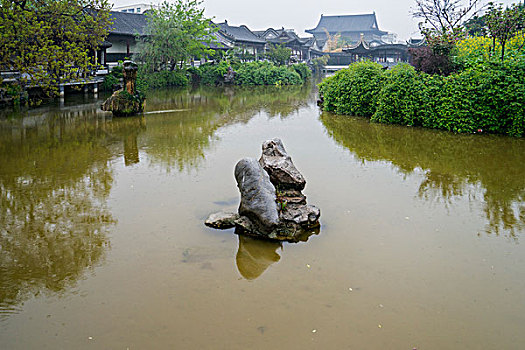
476, 49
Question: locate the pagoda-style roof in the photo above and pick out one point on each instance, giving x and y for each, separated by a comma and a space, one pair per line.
363, 47
347, 23
417, 42
127, 23
241, 33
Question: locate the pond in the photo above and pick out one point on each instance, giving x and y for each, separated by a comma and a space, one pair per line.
103, 244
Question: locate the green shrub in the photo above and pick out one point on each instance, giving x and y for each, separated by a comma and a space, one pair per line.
318, 63
488, 97
266, 73
210, 73
399, 100
113, 78
150, 80
302, 69
353, 90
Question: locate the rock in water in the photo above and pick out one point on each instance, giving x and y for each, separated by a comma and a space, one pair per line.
306, 216
258, 199
222, 220
279, 165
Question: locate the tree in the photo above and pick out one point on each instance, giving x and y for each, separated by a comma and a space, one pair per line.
279, 54
442, 28
504, 23
445, 17
476, 26
49, 42
175, 33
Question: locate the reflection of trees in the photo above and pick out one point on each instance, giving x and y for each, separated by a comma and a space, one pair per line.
180, 138
54, 181
454, 165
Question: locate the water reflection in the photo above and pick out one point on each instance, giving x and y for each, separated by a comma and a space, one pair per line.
487, 169
254, 256
127, 130
181, 138
54, 181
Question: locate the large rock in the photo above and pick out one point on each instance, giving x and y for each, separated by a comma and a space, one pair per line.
279, 165
258, 199
123, 104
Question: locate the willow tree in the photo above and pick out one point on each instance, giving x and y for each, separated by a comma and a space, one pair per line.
175, 33
49, 41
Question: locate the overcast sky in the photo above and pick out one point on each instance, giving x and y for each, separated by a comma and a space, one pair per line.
392, 15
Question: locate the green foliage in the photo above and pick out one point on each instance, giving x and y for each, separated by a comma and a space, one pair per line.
50, 42
279, 54
252, 73
210, 73
353, 90
505, 23
176, 32
302, 69
318, 63
147, 80
488, 97
265, 73
399, 100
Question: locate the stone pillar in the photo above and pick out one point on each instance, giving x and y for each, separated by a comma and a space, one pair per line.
62, 90
130, 76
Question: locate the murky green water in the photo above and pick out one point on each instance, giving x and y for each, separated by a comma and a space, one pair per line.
103, 244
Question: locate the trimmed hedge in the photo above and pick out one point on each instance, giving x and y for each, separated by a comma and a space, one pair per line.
353, 90
489, 97
252, 73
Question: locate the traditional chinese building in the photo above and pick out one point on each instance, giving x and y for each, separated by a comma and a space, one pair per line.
350, 27
303, 49
243, 38
387, 54
122, 35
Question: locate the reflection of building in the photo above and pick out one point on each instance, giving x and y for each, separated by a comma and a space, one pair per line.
350, 27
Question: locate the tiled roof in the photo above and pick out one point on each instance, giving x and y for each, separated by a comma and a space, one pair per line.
346, 23
127, 23
241, 33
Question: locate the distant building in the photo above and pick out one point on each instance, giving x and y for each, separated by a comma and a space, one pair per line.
303, 49
386, 54
350, 27
122, 35
242, 37
135, 8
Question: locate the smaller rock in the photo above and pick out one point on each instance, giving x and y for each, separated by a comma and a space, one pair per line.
245, 225
306, 216
222, 220
291, 197
278, 164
